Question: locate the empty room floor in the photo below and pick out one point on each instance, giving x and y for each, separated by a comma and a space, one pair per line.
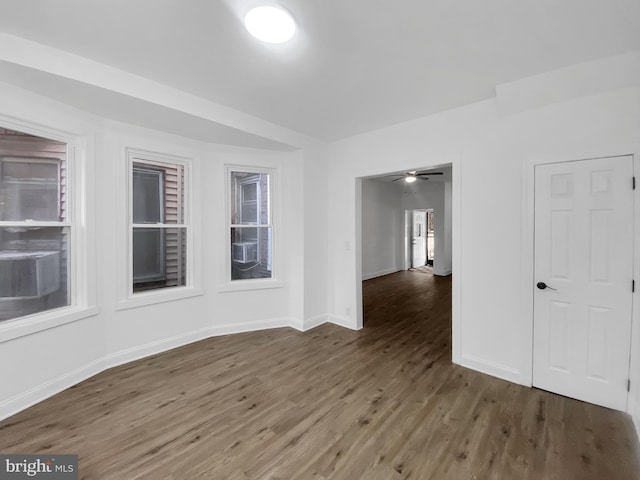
381, 403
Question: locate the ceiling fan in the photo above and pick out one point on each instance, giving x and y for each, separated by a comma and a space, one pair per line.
414, 175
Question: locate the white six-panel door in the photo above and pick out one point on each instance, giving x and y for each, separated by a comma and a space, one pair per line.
583, 253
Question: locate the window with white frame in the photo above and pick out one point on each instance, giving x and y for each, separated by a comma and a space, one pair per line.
250, 224
35, 225
158, 223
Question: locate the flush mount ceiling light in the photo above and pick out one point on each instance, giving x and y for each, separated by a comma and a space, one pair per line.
270, 24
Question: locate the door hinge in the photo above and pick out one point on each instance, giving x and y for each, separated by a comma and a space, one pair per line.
634, 182
629, 385
633, 286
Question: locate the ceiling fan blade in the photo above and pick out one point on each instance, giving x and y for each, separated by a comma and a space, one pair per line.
401, 178
429, 173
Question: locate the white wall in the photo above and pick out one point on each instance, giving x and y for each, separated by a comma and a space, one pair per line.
42, 363
489, 151
382, 228
315, 219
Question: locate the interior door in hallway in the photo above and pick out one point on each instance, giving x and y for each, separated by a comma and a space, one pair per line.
419, 239
583, 279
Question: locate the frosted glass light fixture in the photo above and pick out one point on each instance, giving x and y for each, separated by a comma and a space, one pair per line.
270, 24
410, 179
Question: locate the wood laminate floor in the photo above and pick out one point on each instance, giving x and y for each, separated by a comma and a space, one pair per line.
382, 403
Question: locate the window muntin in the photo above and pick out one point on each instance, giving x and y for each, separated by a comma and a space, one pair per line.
158, 228
35, 225
251, 229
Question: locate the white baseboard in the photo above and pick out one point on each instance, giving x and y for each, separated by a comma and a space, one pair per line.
151, 348
446, 273
296, 324
494, 369
141, 351
380, 273
344, 322
314, 322
24, 400
309, 323
251, 326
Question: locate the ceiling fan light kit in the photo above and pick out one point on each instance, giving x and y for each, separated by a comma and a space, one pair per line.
411, 177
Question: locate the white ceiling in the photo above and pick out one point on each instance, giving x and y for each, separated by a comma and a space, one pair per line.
354, 66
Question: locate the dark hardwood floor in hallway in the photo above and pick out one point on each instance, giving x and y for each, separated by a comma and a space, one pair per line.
381, 403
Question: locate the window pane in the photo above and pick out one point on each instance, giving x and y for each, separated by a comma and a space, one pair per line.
147, 195
249, 192
249, 198
159, 258
249, 214
148, 255
31, 189
33, 270
158, 192
250, 253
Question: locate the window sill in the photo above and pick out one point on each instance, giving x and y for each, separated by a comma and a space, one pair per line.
20, 327
241, 285
158, 296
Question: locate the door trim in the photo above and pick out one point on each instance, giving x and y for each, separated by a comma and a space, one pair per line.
527, 260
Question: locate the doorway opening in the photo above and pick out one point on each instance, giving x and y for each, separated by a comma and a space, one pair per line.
420, 235
406, 233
